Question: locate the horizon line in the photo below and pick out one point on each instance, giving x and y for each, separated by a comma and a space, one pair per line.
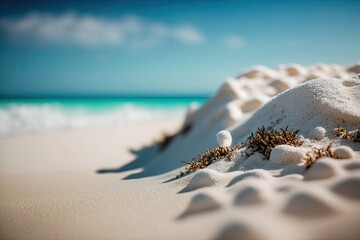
140, 95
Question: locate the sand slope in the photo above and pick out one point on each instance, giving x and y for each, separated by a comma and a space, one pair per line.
234, 107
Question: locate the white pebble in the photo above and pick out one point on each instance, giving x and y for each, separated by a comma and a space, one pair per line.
319, 133
344, 152
224, 138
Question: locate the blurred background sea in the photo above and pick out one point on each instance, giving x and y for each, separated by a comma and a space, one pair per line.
23, 115
179, 49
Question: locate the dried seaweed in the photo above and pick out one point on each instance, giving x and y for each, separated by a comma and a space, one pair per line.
207, 158
167, 138
264, 140
185, 129
317, 153
346, 134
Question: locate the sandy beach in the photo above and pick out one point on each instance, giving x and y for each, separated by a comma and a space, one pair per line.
47, 195
88, 149
119, 182
174, 120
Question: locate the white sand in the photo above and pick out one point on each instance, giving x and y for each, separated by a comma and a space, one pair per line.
77, 150
49, 188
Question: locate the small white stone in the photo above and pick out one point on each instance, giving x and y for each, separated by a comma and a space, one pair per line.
344, 152
224, 138
319, 133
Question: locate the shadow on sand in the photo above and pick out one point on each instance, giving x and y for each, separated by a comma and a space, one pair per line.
148, 158
144, 159
140, 160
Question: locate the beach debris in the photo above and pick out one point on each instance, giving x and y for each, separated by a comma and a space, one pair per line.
167, 138
264, 140
346, 134
185, 129
224, 138
317, 153
207, 158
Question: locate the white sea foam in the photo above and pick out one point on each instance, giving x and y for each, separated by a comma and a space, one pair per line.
23, 118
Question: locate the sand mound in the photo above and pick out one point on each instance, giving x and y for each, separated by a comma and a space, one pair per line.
201, 203
234, 231
306, 106
344, 152
252, 100
284, 154
251, 195
326, 168
253, 188
348, 188
306, 205
353, 166
252, 174
202, 178
283, 183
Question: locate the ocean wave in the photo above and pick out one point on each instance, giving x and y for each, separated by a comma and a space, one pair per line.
23, 118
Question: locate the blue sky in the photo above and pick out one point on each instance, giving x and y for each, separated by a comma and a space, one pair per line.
164, 47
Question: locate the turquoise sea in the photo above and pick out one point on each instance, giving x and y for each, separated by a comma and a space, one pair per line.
20, 115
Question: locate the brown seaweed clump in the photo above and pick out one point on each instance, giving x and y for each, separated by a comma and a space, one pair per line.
264, 140
207, 158
167, 138
165, 141
346, 134
316, 153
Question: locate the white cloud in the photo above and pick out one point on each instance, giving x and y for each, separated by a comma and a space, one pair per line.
187, 34
234, 41
88, 30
